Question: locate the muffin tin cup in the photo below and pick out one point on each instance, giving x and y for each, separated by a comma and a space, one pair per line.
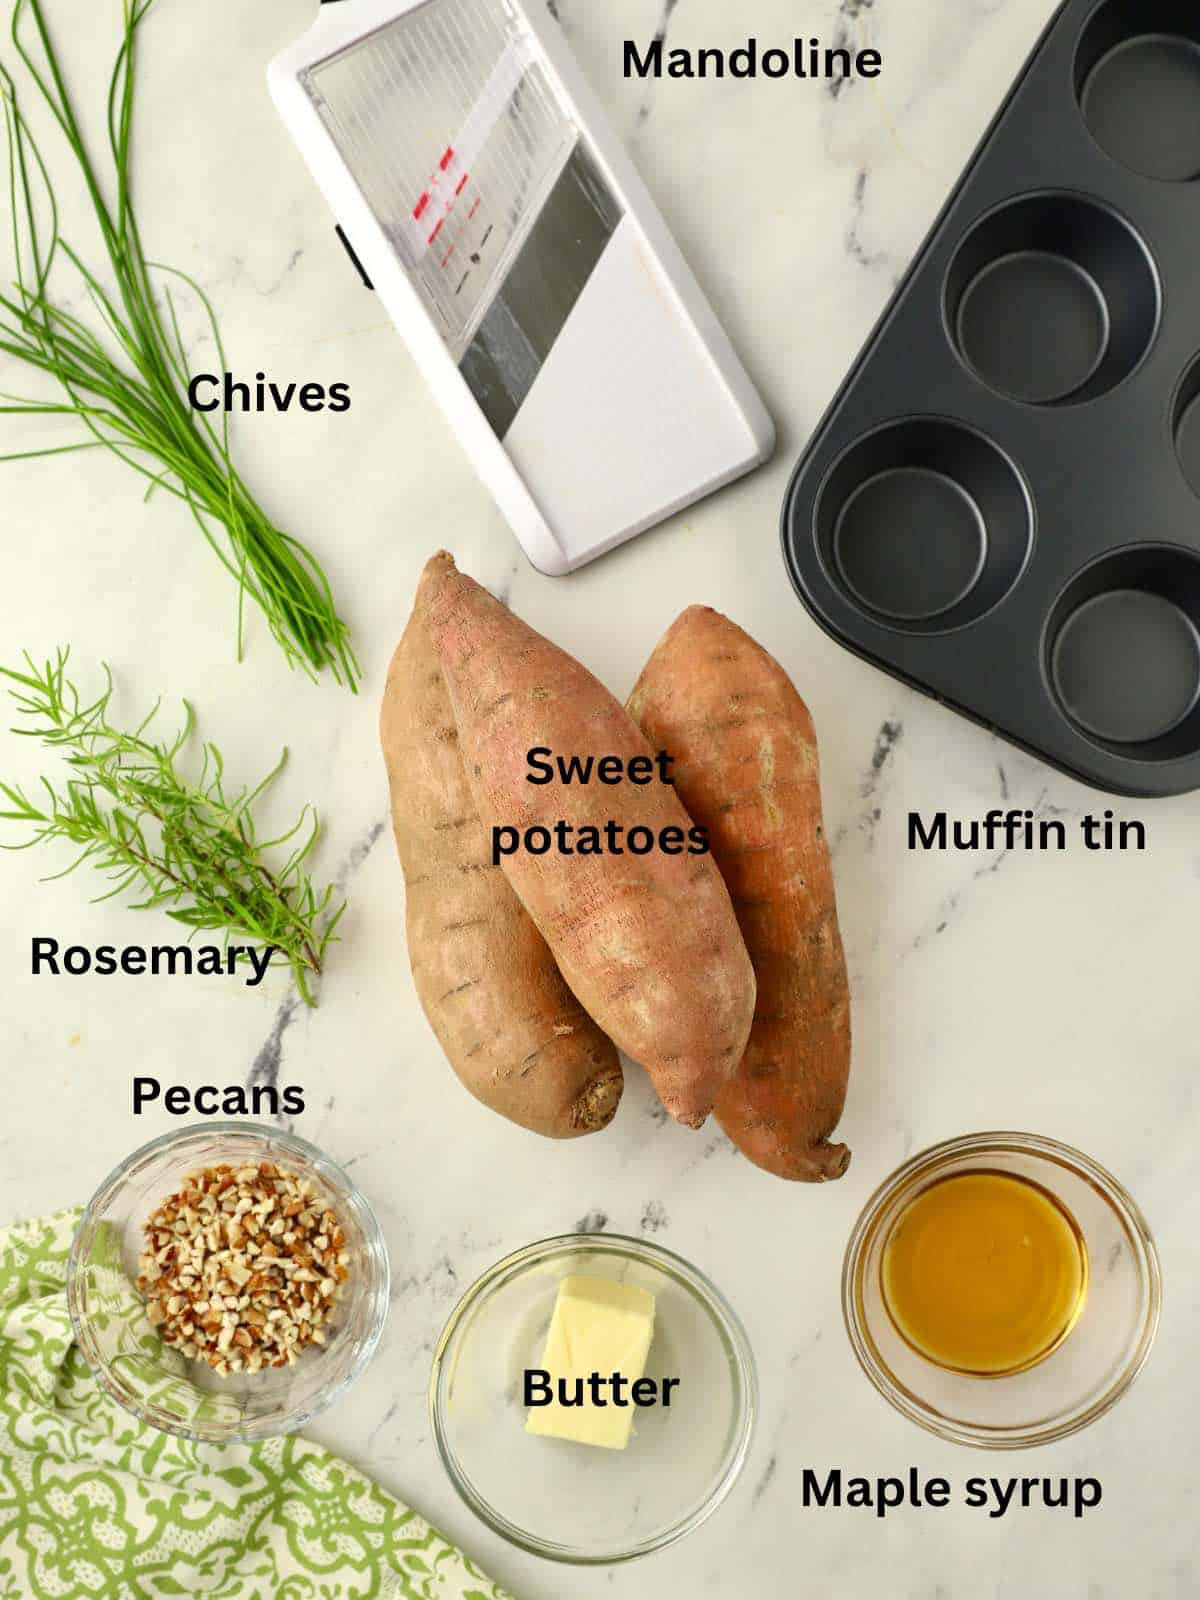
1137, 80
1000, 507
1140, 605
924, 524
1052, 300
1185, 426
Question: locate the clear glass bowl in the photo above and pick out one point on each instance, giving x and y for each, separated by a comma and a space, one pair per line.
571, 1502
1090, 1370
159, 1385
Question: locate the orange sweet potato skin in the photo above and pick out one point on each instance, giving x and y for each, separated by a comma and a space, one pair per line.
649, 944
513, 1031
747, 769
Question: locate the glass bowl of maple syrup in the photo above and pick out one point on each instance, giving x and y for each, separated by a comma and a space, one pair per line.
1002, 1290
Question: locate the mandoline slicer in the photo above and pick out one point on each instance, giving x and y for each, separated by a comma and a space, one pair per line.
491, 206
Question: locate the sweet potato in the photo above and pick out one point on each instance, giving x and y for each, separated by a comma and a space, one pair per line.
648, 943
514, 1032
746, 769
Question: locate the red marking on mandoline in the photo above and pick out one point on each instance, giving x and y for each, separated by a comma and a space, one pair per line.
445, 203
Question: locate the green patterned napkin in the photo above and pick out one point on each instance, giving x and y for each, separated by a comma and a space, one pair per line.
94, 1506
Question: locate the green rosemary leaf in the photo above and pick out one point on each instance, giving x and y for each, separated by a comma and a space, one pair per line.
181, 844
196, 919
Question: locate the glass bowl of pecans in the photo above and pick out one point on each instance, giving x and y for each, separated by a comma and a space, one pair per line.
227, 1282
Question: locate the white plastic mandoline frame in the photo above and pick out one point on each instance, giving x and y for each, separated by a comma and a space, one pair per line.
641, 407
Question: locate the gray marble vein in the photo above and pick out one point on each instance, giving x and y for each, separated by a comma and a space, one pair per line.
592, 1222
662, 34
856, 247
268, 1059
849, 35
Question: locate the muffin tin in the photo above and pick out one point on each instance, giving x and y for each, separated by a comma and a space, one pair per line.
1002, 506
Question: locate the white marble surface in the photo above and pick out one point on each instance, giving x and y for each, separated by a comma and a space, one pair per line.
1055, 994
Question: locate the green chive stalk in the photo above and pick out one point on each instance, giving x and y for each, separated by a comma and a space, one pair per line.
125, 378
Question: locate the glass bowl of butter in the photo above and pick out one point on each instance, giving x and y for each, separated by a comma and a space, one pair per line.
593, 1398
1002, 1290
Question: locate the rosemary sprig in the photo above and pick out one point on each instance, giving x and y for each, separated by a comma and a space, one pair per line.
127, 382
187, 847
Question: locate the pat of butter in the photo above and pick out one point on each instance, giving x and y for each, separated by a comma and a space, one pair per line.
598, 1326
